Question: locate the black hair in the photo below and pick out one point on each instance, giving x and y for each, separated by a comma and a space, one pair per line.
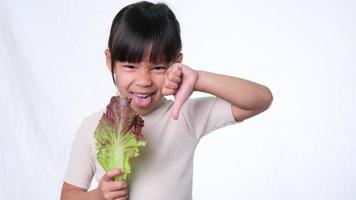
144, 27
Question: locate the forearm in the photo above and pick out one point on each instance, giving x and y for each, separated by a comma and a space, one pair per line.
239, 92
79, 195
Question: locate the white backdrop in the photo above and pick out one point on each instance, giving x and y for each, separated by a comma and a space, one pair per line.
53, 74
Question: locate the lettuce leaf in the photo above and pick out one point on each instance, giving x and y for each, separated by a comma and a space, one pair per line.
118, 136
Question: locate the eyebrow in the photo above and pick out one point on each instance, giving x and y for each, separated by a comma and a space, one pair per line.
150, 65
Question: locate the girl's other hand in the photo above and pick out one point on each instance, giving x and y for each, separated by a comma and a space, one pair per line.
109, 189
180, 81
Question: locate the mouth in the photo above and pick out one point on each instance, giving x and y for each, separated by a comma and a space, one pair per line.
141, 95
142, 99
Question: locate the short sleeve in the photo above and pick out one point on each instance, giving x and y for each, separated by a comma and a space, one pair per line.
206, 114
81, 167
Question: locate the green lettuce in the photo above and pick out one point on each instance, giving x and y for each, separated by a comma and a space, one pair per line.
118, 136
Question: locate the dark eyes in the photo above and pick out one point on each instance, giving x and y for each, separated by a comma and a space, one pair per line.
160, 68
153, 68
129, 66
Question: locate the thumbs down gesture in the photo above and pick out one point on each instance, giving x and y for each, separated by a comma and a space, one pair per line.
180, 81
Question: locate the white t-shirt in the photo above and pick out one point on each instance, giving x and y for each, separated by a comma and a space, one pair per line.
164, 169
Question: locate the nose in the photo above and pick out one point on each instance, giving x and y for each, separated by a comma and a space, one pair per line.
143, 79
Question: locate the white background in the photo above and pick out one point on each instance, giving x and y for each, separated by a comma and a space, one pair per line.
53, 74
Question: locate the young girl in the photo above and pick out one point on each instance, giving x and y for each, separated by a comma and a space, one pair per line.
144, 57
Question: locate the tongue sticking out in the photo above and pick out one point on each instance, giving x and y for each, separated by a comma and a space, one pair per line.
142, 101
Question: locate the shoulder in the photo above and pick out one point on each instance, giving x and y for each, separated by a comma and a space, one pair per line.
93, 118
192, 105
88, 125
205, 114
201, 100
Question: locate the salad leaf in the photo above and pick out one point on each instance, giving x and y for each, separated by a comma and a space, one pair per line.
118, 136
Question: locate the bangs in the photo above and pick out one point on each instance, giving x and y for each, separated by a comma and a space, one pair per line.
145, 31
131, 47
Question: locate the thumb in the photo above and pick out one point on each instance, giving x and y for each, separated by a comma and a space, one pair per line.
176, 108
109, 176
189, 78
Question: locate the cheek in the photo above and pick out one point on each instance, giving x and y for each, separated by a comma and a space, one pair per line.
159, 80
122, 82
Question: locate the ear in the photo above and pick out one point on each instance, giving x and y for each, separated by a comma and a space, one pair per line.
108, 59
179, 58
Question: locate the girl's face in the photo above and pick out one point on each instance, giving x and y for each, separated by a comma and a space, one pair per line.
141, 82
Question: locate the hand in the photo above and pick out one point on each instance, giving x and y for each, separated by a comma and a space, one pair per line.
180, 81
109, 189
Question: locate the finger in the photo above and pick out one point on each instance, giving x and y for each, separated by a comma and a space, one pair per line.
170, 85
123, 198
173, 77
176, 109
167, 91
177, 69
117, 194
109, 176
184, 91
179, 98
114, 186
119, 185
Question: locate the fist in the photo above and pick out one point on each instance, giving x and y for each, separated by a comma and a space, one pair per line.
109, 189
180, 81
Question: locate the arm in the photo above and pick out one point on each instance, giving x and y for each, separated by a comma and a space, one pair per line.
246, 97
107, 189
71, 192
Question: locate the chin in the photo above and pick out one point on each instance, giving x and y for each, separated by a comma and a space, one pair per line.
142, 111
